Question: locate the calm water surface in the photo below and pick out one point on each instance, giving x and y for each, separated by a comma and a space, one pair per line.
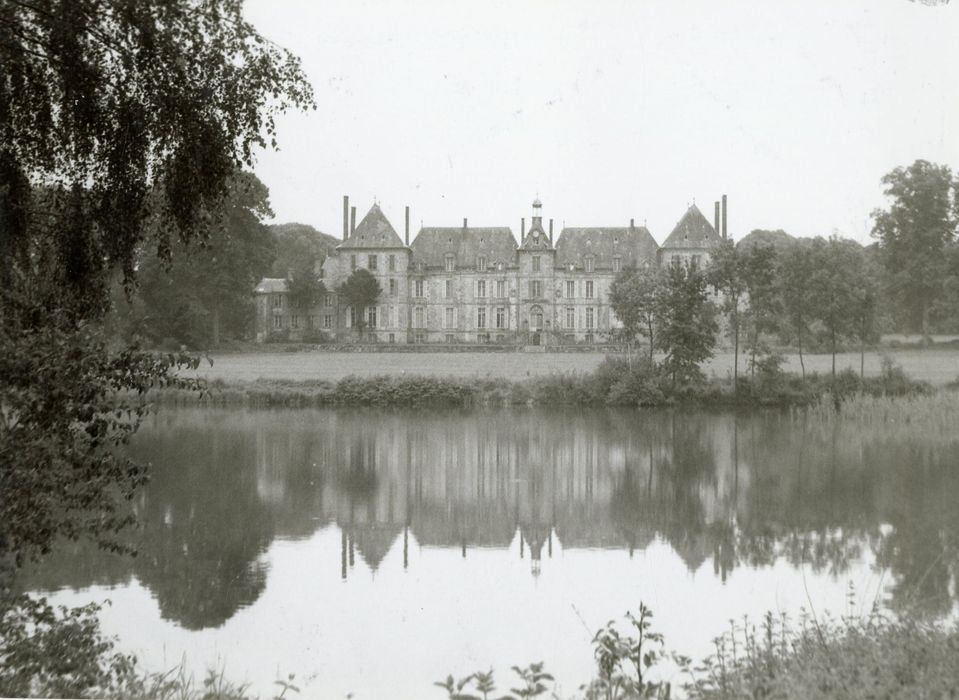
374, 552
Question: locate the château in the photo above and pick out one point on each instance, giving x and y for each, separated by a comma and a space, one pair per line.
478, 285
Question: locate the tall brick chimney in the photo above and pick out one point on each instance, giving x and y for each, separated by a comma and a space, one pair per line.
551, 232
352, 220
346, 216
522, 230
716, 218
464, 224
724, 218
407, 226
632, 225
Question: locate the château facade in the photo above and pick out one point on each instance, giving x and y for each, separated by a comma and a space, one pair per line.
477, 284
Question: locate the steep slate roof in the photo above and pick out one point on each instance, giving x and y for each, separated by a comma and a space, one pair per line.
374, 231
431, 246
692, 231
634, 245
270, 285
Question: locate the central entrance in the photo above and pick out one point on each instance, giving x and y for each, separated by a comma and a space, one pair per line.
535, 324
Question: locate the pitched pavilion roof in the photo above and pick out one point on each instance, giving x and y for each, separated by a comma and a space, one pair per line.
433, 244
374, 231
270, 285
692, 231
634, 245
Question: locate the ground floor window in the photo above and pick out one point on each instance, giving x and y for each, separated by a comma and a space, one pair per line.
449, 317
589, 318
371, 317
418, 317
278, 322
327, 321
570, 317
500, 338
483, 337
500, 317
450, 338
419, 337
392, 337
481, 317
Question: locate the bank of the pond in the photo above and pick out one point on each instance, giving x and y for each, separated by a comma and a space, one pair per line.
616, 382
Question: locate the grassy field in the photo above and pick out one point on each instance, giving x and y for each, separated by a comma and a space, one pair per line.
935, 366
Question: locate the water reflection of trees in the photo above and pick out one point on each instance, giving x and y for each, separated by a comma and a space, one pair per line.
734, 490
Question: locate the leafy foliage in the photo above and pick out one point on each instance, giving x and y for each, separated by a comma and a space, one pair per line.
687, 331
207, 290
632, 297
914, 234
360, 290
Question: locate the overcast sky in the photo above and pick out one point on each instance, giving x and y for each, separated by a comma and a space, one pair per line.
610, 110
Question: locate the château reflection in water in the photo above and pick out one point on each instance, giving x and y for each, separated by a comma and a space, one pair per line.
722, 490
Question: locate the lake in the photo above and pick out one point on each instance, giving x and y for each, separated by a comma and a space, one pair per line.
373, 552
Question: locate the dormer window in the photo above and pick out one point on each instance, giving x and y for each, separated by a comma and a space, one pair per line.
499, 266
617, 264
481, 263
450, 263
588, 263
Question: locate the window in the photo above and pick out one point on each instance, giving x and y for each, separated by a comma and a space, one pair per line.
419, 337
328, 300
535, 263
327, 321
589, 289
418, 317
294, 321
371, 316
371, 262
311, 322
589, 318
500, 317
277, 301
449, 289
278, 322
536, 289
570, 317
500, 338
481, 317
353, 262
448, 320
450, 263
392, 337
450, 338
617, 264
588, 263
350, 317
481, 263
392, 263
501, 288
570, 289
392, 287
418, 288
696, 261
481, 289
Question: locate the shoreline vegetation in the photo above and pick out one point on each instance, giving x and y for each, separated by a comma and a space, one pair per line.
855, 655
616, 382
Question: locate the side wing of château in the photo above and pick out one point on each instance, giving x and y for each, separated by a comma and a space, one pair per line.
465, 284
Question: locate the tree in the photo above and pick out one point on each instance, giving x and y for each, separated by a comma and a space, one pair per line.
208, 288
864, 305
726, 277
794, 275
296, 243
360, 290
305, 289
913, 235
833, 289
687, 324
121, 124
632, 296
763, 310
